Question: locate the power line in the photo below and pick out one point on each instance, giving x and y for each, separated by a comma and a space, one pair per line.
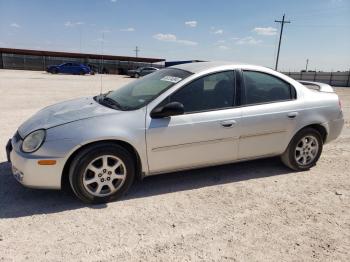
279, 43
316, 25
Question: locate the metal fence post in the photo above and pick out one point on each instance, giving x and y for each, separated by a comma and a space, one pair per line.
44, 63
348, 83
1, 61
315, 76
330, 79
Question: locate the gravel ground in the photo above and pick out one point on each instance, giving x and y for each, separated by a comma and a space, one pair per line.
252, 211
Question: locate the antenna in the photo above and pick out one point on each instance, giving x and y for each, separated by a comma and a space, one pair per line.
101, 72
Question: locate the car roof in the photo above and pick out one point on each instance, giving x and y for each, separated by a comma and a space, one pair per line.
202, 66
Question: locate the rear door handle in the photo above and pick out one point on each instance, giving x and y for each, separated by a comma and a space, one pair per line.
292, 114
228, 123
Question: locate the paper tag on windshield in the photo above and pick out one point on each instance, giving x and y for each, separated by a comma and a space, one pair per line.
172, 79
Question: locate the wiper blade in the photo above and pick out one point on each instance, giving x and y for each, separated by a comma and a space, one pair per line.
111, 102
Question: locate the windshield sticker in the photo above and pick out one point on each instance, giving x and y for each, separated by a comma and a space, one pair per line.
172, 79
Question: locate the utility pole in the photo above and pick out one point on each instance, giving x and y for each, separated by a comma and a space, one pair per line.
279, 43
80, 36
137, 50
307, 63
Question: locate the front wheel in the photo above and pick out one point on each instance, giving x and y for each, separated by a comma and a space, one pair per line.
101, 173
304, 150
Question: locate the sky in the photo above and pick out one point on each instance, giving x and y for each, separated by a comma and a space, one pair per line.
230, 30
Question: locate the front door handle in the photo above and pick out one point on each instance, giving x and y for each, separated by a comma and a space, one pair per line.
292, 114
228, 123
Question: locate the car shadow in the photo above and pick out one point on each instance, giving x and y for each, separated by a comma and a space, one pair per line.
18, 201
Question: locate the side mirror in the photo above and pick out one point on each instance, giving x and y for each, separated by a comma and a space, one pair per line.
170, 109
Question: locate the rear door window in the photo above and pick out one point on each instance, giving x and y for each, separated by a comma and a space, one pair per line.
265, 88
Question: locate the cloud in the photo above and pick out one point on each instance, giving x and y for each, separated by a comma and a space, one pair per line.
248, 41
15, 25
173, 38
101, 40
113, 1
68, 24
72, 24
218, 32
223, 47
129, 29
165, 37
186, 42
265, 30
221, 41
191, 23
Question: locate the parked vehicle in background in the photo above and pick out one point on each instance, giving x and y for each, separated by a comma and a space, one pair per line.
142, 71
181, 117
94, 69
69, 68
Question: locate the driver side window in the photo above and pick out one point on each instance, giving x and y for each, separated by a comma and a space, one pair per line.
214, 91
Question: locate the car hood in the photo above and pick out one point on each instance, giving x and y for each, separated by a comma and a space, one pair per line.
63, 113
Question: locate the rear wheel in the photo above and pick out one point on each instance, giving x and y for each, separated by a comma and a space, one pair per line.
304, 150
137, 75
101, 173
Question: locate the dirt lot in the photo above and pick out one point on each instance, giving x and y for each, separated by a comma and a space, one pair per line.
253, 211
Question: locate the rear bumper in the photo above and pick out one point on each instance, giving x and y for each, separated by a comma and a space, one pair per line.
334, 129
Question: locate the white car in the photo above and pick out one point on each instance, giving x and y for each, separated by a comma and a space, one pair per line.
182, 117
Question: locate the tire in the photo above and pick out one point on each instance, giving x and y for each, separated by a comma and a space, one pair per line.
54, 71
304, 150
85, 170
137, 75
81, 73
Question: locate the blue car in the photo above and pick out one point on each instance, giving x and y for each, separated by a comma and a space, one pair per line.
69, 68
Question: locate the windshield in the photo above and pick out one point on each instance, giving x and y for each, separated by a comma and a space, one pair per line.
140, 92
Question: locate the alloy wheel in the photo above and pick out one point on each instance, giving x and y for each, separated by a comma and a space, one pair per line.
306, 150
104, 175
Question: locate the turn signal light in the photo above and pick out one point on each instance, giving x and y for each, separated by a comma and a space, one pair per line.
47, 162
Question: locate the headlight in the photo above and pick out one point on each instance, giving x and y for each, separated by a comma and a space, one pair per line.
33, 141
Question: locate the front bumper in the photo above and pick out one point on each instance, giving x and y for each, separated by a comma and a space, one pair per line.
28, 172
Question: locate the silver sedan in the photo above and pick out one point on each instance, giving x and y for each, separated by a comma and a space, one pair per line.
182, 117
